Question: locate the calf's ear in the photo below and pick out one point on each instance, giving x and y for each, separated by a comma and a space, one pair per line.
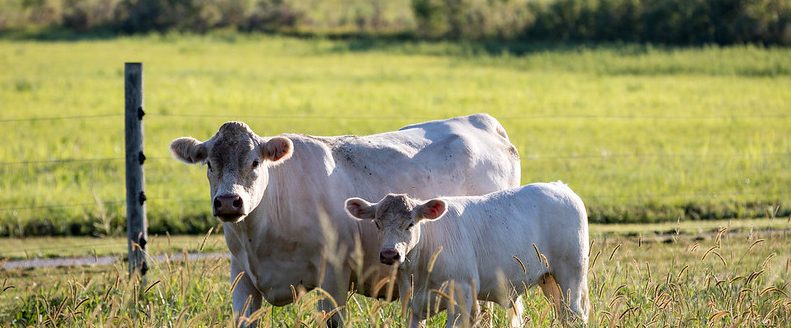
431, 210
188, 150
360, 209
277, 150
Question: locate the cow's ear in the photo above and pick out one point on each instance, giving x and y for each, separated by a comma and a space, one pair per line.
360, 209
277, 149
431, 210
189, 150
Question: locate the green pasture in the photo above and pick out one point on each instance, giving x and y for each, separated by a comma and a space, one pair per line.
722, 273
643, 134
55, 247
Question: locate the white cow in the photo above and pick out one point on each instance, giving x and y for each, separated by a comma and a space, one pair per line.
281, 198
490, 247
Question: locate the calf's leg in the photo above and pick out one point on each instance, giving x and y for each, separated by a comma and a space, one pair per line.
516, 312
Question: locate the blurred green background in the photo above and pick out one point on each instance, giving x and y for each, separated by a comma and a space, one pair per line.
651, 110
643, 134
654, 21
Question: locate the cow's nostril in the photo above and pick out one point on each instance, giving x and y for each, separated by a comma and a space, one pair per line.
237, 203
217, 203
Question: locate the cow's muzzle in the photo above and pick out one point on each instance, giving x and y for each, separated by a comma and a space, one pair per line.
229, 207
389, 256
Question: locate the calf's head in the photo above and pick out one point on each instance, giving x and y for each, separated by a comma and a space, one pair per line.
237, 162
399, 220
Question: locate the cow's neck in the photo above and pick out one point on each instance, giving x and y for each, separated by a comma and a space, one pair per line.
282, 214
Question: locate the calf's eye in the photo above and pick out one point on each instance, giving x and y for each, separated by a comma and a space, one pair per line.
255, 164
209, 165
410, 226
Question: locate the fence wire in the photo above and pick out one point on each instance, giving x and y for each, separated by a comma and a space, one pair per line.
122, 203
527, 157
56, 118
60, 161
500, 117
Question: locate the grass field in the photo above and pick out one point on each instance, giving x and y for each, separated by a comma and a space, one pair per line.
643, 134
722, 273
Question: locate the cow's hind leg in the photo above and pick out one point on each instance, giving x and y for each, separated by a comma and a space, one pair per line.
574, 286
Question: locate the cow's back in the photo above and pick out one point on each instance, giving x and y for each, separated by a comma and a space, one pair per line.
468, 155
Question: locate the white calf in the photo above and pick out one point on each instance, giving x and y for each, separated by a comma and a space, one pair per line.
490, 247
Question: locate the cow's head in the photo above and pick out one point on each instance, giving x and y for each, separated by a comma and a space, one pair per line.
237, 162
398, 219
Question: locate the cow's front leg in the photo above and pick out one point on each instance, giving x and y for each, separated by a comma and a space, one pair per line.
337, 286
243, 291
460, 306
415, 321
405, 292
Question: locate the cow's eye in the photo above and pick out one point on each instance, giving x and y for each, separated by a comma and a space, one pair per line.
209, 165
410, 226
378, 225
255, 164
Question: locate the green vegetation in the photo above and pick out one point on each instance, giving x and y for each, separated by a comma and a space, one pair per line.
659, 21
728, 278
643, 134
53, 247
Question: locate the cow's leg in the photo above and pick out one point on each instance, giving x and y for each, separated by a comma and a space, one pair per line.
460, 307
243, 291
337, 286
415, 321
574, 286
516, 312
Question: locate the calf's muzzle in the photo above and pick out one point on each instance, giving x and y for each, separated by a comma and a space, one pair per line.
389, 256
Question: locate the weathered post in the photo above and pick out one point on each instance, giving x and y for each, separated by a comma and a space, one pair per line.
136, 223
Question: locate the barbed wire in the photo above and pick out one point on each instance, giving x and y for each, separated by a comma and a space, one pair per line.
412, 117
61, 161
56, 118
654, 155
406, 118
52, 206
93, 246
528, 157
86, 205
714, 195
500, 117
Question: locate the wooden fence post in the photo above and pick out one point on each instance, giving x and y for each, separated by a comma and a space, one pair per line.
136, 223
